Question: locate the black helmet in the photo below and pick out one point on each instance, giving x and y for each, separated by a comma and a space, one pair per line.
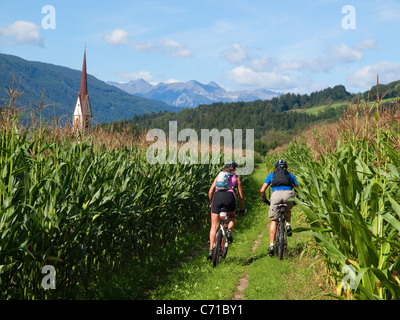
232, 164
281, 164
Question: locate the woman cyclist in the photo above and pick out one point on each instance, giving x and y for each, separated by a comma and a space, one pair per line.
224, 198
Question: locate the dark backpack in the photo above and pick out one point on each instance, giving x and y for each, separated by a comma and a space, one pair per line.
281, 178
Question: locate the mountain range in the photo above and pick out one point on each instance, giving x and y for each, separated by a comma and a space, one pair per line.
61, 85
192, 93
110, 101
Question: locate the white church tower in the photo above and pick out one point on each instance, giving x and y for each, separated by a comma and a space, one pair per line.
82, 117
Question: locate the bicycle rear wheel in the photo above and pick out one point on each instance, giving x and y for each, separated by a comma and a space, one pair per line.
225, 246
217, 248
279, 239
224, 252
225, 242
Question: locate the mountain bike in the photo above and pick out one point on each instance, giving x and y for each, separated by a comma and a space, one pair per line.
281, 232
221, 243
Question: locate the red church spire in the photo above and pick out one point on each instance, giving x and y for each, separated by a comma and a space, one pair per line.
83, 92
83, 111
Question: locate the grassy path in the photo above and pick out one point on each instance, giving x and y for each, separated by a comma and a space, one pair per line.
247, 272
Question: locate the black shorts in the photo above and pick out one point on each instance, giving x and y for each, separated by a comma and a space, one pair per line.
223, 199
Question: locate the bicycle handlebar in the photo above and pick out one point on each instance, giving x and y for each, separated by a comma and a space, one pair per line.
266, 202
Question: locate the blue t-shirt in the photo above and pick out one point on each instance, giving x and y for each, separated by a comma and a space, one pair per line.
292, 181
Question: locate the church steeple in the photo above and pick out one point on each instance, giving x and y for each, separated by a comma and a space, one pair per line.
83, 111
83, 92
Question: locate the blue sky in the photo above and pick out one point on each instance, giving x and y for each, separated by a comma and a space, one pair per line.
286, 46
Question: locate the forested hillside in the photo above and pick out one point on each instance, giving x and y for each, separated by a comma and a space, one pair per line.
274, 121
390, 90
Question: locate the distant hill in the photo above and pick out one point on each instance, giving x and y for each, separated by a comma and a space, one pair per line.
61, 87
390, 90
192, 93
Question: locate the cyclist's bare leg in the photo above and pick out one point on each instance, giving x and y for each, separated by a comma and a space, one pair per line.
272, 230
288, 216
232, 218
214, 227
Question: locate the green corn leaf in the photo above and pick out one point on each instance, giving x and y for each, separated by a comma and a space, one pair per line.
332, 250
395, 206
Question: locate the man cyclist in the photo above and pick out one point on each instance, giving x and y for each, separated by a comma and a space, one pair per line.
282, 183
224, 198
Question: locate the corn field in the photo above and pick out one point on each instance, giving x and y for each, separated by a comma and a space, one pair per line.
77, 205
350, 193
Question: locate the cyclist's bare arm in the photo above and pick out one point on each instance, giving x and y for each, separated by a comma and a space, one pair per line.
262, 191
241, 197
212, 190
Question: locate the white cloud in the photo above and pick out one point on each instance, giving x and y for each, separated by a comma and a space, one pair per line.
176, 49
120, 37
319, 64
307, 84
117, 37
264, 63
22, 33
367, 44
273, 73
334, 56
141, 46
245, 76
366, 77
172, 81
343, 53
235, 54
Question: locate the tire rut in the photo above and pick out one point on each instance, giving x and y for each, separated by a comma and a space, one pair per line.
244, 281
